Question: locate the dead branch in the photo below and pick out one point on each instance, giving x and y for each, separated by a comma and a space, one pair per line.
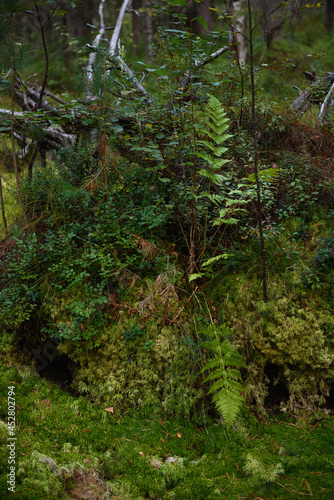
316, 93
199, 64
96, 43
326, 107
117, 30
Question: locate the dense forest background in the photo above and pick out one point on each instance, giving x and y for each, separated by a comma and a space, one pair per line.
167, 246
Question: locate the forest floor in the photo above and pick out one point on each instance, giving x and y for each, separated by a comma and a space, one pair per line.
70, 448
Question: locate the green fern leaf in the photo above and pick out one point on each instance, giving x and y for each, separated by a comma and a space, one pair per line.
214, 259
228, 405
223, 370
216, 199
195, 276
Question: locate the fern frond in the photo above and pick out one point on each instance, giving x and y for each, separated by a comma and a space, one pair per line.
231, 202
216, 199
214, 259
228, 404
223, 367
232, 221
219, 384
269, 175
217, 132
217, 151
212, 176
235, 385
195, 276
215, 163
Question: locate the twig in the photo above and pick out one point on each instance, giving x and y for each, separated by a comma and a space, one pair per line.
188, 300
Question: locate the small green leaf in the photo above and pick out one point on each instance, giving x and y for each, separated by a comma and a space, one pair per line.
178, 2
202, 20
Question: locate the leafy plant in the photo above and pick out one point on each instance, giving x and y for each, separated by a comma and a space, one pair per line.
229, 398
216, 124
215, 127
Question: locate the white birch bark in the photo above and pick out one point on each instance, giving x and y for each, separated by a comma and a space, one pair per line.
326, 107
239, 30
96, 43
117, 30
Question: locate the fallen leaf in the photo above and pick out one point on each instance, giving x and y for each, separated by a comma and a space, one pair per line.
87, 460
179, 435
110, 409
141, 453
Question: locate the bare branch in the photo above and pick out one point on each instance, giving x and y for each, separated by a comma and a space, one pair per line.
211, 57
133, 78
7, 112
55, 97
118, 63
200, 64
96, 43
324, 107
115, 37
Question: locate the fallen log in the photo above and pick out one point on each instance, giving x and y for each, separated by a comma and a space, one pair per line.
320, 92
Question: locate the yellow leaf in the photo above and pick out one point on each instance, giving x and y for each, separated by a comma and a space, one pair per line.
110, 409
179, 435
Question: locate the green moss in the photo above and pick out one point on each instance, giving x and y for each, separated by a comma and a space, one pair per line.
294, 336
125, 372
63, 443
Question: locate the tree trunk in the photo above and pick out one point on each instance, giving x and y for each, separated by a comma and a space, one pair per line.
147, 29
329, 11
201, 10
238, 38
135, 26
256, 154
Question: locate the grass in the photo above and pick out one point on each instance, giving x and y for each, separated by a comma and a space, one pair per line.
94, 451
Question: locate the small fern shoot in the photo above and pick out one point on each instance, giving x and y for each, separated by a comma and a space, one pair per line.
224, 370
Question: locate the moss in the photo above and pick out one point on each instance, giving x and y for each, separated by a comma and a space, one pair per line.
96, 452
292, 334
153, 369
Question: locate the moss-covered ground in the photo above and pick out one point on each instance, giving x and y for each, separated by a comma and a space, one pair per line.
67, 447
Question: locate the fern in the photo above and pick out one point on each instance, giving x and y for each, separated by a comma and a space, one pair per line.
223, 369
216, 125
